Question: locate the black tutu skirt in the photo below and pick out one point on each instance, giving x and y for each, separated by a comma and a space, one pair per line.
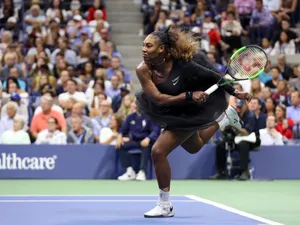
187, 116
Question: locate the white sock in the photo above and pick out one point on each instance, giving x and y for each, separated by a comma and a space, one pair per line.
129, 170
164, 196
222, 121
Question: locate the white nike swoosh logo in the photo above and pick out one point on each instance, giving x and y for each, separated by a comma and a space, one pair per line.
175, 81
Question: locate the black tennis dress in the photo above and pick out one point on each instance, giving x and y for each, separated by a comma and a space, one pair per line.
195, 75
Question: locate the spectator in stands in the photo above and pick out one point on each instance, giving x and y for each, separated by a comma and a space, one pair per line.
284, 125
117, 100
98, 18
11, 111
281, 96
14, 93
293, 112
285, 70
163, 21
254, 119
269, 135
114, 89
36, 17
69, 55
78, 109
267, 74
14, 72
231, 30
54, 107
103, 119
295, 82
56, 11
275, 79
286, 27
266, 45
125, 108
79, 134
261, 22
10, 62
39, 121
108, 135
140, 133
16, 135
52, 135
96, 6
71, 93
256, 87
269, 107
116, 65
245, 9
284, 46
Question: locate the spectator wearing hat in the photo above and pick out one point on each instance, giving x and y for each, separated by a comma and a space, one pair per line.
16, 135
117, 100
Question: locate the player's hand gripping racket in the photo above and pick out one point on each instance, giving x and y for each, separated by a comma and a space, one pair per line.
246, 63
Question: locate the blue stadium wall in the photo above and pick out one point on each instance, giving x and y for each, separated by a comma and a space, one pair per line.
101, 162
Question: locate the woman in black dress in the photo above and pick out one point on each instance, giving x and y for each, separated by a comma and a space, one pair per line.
173, 82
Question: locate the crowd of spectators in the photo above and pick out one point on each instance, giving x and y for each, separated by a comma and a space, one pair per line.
63, 81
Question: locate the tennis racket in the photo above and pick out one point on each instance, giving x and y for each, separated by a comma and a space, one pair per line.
246, 63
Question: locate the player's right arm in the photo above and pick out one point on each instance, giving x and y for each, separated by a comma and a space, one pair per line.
144, 76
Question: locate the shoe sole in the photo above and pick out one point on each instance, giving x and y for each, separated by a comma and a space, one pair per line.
158, 216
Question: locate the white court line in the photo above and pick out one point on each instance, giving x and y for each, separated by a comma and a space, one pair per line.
109, 195
233, 210
82, 200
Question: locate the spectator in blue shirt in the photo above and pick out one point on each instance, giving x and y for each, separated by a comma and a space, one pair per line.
137, 132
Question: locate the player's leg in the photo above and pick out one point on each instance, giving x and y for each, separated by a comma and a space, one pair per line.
194, 143
166, 142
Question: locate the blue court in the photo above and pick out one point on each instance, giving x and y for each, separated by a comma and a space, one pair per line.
117, 210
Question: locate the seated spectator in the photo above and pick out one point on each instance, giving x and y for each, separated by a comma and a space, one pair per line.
71, 93
293, 112
40, 121
6, 122
295, 82
266, 46
163, 21
231, 30
266, 75
141, 133
284, 46
116, 65
285, 70
261, 22
14, 73
79, 134
269, 107
284, 125
108, 135
254, 119
10, 62
256, 87
114, 89
103, 119
272, 84
125, 108
281, 96
52, 135
269, 135
16, 135
78, 109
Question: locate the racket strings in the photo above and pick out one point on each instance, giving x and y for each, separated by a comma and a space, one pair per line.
248, 63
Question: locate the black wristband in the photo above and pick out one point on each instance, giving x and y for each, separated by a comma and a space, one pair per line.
189, 95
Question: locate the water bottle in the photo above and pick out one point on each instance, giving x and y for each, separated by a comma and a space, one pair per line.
252, 173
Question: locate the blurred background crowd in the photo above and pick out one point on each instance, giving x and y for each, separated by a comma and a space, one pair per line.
63, 79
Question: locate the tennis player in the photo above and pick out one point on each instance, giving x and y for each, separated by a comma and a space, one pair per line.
173, 85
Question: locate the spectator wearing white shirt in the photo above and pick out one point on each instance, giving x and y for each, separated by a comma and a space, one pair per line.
269, 135
71, 93
6, 122
98, 15
52, 135
108, 135
16, 135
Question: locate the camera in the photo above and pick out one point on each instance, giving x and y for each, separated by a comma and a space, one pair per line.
229, 134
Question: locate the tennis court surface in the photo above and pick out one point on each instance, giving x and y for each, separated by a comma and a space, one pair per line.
29, 202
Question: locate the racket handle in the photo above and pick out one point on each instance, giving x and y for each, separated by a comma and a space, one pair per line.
211, 89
